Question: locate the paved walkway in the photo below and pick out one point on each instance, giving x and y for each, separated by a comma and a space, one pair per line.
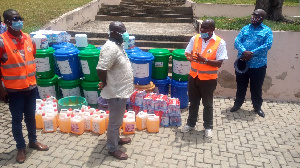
240, 139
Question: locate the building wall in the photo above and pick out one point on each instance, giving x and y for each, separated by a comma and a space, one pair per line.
282, 81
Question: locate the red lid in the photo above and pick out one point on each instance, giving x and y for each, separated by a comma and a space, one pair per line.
54, 105
101, 116
68, 115
40, 108
125, 116
44, 99
48, 96
55, 109
89, 107
91, 113
43, 114
42, 105
70, 109
125, 111
145, 111
82, 110
107, 112
72, 115
97, 109
54, 100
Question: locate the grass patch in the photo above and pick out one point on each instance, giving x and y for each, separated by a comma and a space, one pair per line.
237, 24
252, 2
37, 13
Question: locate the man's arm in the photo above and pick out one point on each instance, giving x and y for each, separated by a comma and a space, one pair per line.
238, 42
102, 75
266, 45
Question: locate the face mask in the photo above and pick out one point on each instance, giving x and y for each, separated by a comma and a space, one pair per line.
204, 35
17, 25
255, 20
125, 37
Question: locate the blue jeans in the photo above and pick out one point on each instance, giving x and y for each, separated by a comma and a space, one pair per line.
23, 102
116, 107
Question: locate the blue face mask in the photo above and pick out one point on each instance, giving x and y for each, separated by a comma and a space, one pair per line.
17, 25
125, 37
204, 35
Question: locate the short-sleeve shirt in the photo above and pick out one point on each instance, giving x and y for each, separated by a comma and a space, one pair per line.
119, 80
221, 51
20, 46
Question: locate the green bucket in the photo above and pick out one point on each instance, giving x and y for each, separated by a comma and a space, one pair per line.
89, 60
91, 92
180, 65
45, 63
48, 87
74, 102
69, 87
161, 63
90, 46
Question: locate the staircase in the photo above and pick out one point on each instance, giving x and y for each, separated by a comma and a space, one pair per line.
154, 23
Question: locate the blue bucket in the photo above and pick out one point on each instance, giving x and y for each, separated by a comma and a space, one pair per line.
58, 46
162, 85
180, 90
133, 50
141, 63
68, 63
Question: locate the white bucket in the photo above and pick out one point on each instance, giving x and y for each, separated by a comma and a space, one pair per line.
41, 41
81, 40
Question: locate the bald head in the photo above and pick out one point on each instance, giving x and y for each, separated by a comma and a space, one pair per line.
9, 13
209, 23
117, 26
260, 12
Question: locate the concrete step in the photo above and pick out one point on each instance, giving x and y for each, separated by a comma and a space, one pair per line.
148, 37
143, 14
141, 43
147, 7
143, 19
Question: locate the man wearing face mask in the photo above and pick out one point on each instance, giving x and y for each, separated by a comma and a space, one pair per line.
206, 51
114, 71
18, 81
253, 43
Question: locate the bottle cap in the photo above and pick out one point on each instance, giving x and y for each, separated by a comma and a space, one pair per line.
43, 114
107, 112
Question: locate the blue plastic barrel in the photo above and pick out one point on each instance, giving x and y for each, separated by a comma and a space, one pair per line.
162, 85
133, 50
68, 63
141, 63
180, 90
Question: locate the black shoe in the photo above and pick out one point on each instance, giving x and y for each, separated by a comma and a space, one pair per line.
260, 113
234, 108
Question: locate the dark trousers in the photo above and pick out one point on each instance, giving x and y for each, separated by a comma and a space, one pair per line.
256, 77
197, 90
20, 103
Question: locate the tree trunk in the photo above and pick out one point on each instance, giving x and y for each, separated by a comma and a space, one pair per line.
273, 9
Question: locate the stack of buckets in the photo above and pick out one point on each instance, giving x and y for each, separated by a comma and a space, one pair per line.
160, 68
47, 81
89, 57
180, 71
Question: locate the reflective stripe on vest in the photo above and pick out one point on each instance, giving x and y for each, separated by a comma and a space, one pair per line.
204, 71
17, 73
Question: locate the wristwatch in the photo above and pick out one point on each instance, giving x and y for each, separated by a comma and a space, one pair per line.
206, 60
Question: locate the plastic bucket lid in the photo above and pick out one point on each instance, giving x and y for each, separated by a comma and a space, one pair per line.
44, 52
90, 46
89, 53
47, 82
160, 52
179, 53
133, 50
66, 52
68, 84
63, 45
141, 56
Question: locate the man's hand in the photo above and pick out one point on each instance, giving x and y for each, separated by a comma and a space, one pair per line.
101, 85
199, 58
3, 95
247, 55
189, 56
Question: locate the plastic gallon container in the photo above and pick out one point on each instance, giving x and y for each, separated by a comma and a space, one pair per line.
132, 50
91, 92
141, 64
48, 87
161, 86
41, 41
87, 121
68, 63
70, 87
141, 120
45, 64
81, 40
64, 122
49, 122
38, 118
98, 124
71, 102
128, 124
160, 65
89, 59
153, 123
77, 125
180, 65
180, 90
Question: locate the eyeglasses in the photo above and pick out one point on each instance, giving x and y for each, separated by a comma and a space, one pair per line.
16, 19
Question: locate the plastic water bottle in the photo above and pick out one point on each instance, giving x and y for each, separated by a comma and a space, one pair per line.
165, 121
175, 121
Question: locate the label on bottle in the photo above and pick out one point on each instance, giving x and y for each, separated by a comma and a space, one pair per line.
87, 124
48, 124
129, 127
42, 64
85, 67
64, 67
75, 128
140, 70
181, 67
96, 127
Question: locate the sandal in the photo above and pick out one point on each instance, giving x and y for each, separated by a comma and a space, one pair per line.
119, 154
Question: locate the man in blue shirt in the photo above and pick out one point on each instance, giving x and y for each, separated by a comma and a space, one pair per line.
253, 43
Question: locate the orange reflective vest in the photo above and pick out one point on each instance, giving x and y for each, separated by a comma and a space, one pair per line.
204, 71
17, 73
